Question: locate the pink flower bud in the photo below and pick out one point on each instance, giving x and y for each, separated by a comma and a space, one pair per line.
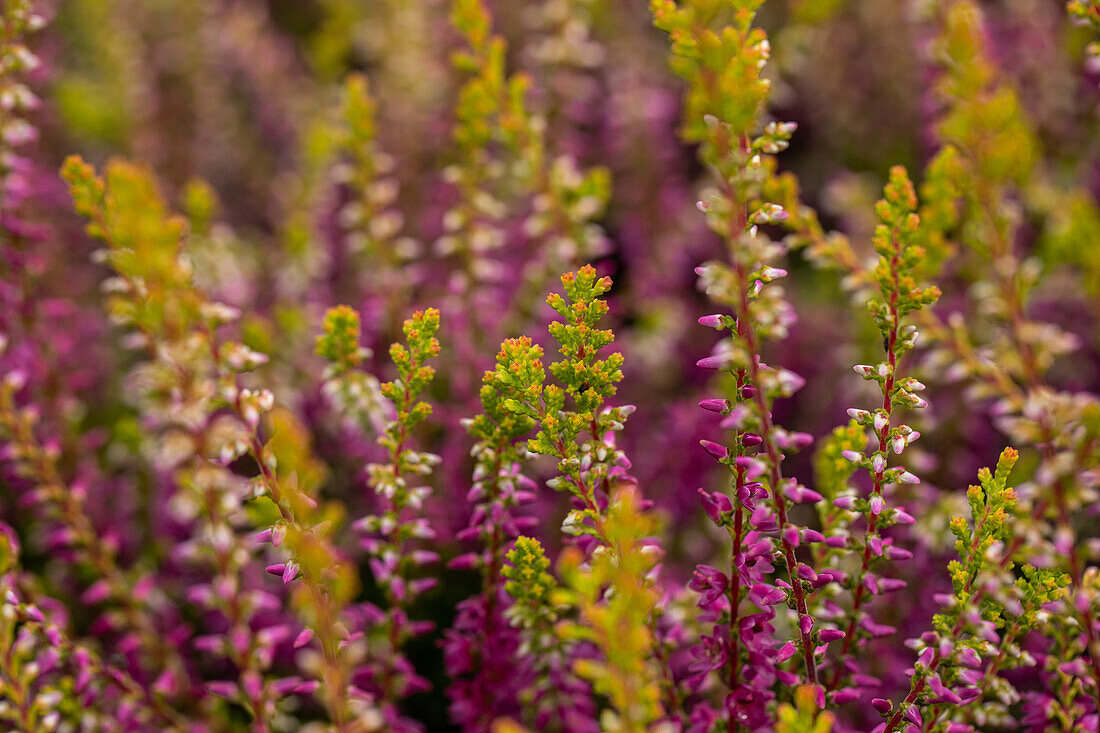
790, 536
96, 592
718, 451
845, 502
903, 517
713, 362
898, 553
222, 688
847, 695
303, 638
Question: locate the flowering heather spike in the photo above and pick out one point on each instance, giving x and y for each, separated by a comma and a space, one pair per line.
974, 624
393, 562
723, 106
372, 224
587, 381
162, 303
591, 468
493, 114
898, 241
988, 169
559, 695
67, 505
42, 666
482, 649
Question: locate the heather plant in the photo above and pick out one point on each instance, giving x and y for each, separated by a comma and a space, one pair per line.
337, 447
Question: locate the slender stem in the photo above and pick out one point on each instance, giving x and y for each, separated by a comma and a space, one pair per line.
735, 590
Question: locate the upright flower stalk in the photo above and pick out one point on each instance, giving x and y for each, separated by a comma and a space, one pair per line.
132, 615
898, 242
607, 517
950, 657
481, 650
723, 67
389, 534
47, 680
193, 374
555, 698
997, 157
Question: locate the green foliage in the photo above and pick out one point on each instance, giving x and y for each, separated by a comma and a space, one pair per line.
539, 609
983, 600
340, 341
990, 504
414, 375
804, 716
574, 436
723, 67
986, 121
357, 394
899, 241
124, 209
618, 621
589, 381
529, 583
